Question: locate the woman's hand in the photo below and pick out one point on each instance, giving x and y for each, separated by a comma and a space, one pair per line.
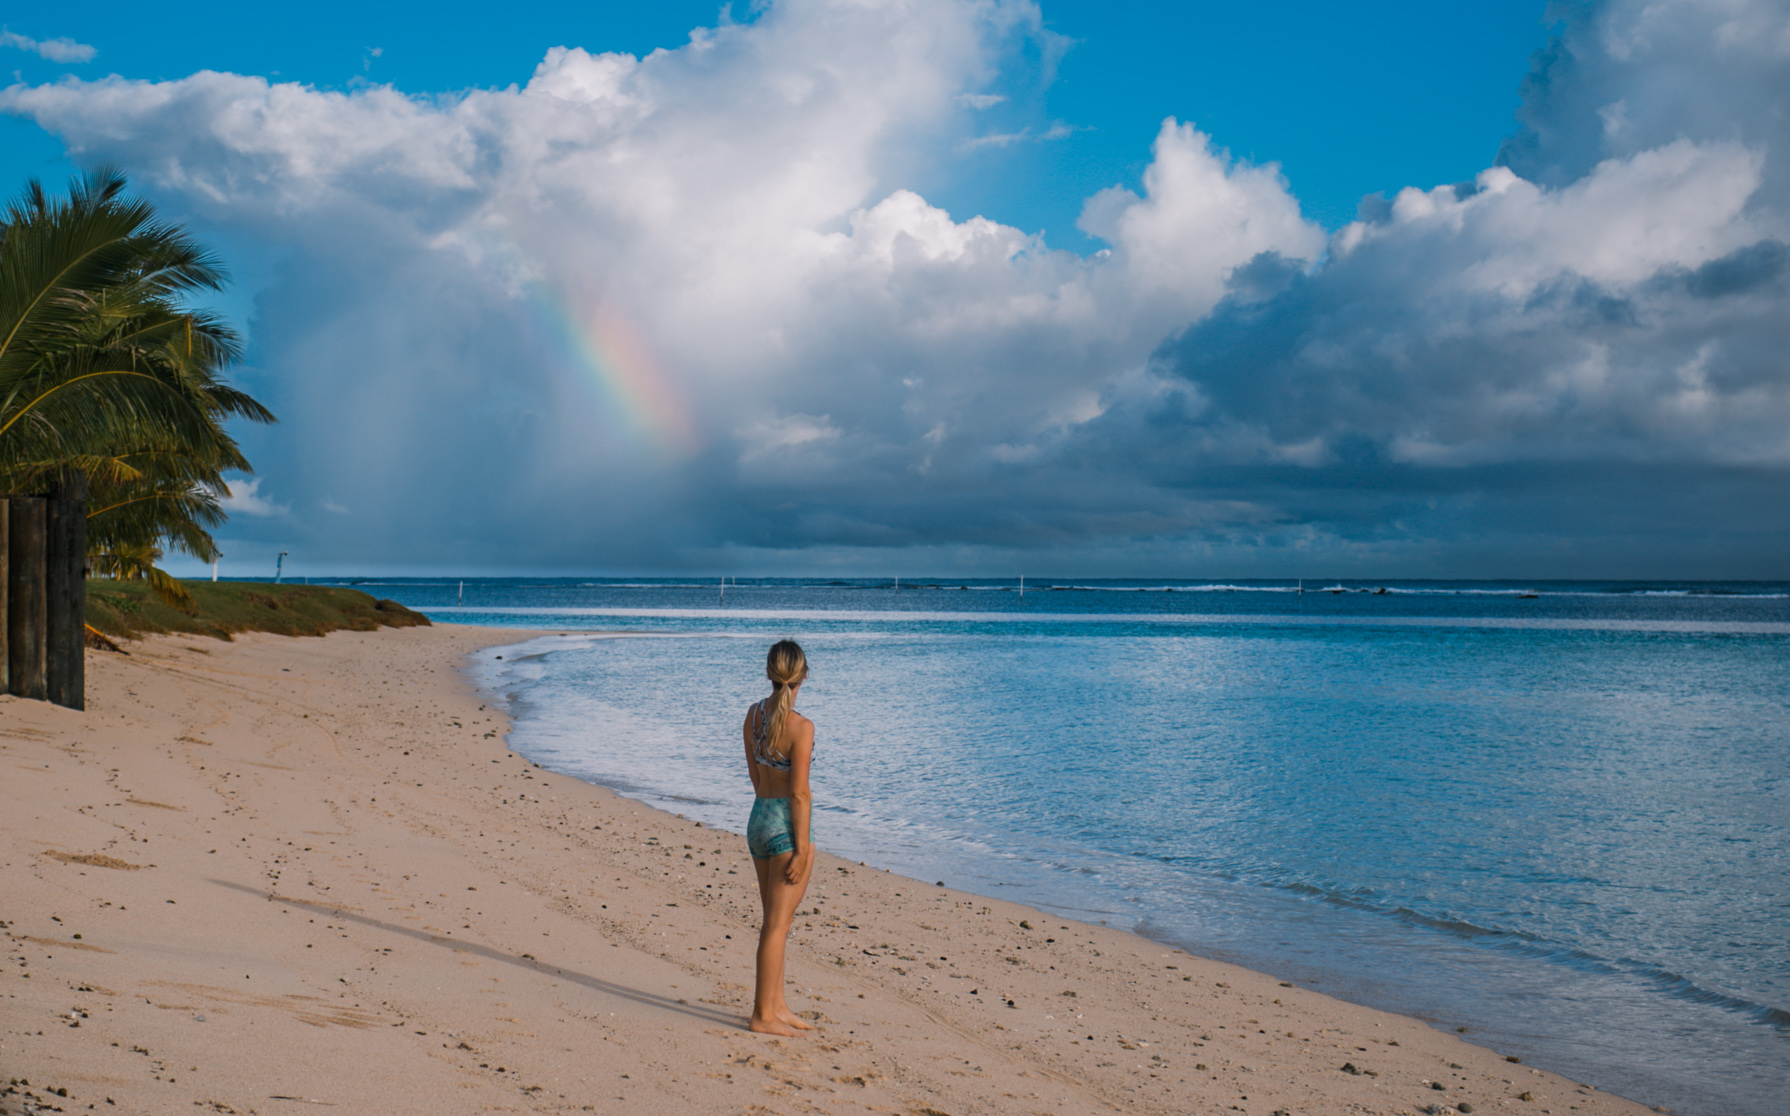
800, 865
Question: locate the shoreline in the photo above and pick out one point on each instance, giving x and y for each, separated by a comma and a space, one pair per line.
310, 870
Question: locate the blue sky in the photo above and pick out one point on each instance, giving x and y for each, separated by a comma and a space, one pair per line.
1349, 102
975, 285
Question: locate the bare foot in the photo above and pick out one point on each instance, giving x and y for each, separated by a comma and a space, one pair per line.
794, 1020
771, 1027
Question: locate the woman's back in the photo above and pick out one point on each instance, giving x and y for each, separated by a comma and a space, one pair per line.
772, 759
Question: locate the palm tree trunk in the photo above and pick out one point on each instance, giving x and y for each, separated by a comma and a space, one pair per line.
27, 614
5, 594
65, 591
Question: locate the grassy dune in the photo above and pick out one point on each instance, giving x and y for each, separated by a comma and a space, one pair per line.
127, 609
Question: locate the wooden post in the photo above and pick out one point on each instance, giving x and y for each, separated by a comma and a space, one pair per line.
5, 592
65, 590
27, 610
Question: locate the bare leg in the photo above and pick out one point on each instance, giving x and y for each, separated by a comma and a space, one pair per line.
784, 1011
770, 1011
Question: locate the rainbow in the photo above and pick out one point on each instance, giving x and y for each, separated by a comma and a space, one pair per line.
610, 352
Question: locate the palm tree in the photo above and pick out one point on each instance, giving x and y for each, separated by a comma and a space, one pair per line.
136, 562
104, 370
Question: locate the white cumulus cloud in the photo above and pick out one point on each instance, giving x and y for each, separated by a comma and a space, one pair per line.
733, 206
245, 499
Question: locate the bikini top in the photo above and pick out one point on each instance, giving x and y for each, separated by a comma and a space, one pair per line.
761, 748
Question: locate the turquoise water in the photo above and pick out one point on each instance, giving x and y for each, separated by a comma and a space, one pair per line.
1557, 815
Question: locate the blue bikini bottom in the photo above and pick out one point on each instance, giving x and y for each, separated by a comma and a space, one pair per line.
771, 831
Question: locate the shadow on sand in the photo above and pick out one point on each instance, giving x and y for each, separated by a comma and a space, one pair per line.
596, 984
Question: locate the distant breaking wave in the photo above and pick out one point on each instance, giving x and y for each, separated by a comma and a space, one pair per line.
1178, 620
1046, 586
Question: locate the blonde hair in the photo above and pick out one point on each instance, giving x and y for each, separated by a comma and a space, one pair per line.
786, 667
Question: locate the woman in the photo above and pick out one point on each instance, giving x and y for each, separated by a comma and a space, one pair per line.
779, 746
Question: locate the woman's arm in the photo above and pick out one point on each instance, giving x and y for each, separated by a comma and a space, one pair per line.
801, 801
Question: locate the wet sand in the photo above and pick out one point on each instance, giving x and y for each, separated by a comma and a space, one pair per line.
290, 875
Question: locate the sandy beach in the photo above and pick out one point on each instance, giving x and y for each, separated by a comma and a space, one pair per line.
285, 875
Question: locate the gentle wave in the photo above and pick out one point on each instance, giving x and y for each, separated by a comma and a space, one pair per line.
1686, 627
1665, 980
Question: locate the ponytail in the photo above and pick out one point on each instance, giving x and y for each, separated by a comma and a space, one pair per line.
786, 667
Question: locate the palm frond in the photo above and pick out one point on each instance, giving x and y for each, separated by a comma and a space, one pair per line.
105, 369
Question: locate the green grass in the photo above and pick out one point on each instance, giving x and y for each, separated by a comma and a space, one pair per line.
128, 610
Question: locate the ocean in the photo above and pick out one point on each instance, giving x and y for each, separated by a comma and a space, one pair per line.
1552, 816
